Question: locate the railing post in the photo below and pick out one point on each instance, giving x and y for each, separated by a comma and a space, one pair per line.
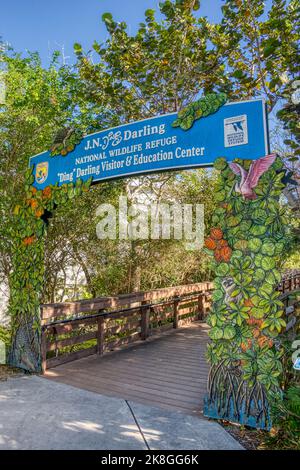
201, 307
100, 335
145, 315
176, 317
44, 350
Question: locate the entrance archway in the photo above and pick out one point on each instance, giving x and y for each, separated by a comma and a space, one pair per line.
245, 260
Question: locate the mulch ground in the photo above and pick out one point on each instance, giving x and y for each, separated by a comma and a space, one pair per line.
250, 439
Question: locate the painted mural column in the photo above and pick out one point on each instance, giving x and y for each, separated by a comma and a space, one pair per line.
247, 243
27, 278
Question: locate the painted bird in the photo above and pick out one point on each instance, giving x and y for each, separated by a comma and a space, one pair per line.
249, 179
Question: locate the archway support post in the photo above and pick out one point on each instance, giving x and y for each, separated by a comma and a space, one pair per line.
247, 243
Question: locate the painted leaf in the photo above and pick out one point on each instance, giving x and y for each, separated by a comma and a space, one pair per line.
229, 332
222, 269
268, 263
220, 164
268, 248
257, 230
216, 333
254, 244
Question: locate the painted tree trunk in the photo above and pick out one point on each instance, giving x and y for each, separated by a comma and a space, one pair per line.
247, 243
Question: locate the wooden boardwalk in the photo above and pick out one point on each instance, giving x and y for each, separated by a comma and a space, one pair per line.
169, 371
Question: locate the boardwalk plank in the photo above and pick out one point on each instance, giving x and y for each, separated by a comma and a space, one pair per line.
169, 371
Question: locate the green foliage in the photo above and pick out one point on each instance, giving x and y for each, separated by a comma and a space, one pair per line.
5, 335
285, 433
160, 69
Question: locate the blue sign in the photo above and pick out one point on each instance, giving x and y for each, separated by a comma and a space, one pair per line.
297, 364
236, 130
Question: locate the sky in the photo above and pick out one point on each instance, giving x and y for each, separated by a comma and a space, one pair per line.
47, 25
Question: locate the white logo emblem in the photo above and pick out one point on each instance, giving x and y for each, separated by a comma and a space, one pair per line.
41, 172
235, 131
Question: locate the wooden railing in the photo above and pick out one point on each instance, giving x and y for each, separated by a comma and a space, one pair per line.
290, 282
291, 302
73, 330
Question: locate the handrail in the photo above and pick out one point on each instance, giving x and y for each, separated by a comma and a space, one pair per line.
114, 312
140, 319
138, 323
59, 309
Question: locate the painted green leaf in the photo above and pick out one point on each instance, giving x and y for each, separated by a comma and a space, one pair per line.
245, 226
277, 275
241, 245
267, 263
267, 288
222, 269
256, 300
216, 333
233, 221
217, 295
257, 230
220, 164
254, 244
258, 312
259, 215
235, 292
258, 260
270, 279
237, 254
229, 332
268, 248
220, 196
279, 247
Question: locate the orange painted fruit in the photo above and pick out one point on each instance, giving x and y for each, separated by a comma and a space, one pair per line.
262, 341
39, 213
256, 332
216, 233
28, 240
33, 203
226, 253
47, 192
218, 255
210, 243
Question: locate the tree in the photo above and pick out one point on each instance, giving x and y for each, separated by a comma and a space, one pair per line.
160, 69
